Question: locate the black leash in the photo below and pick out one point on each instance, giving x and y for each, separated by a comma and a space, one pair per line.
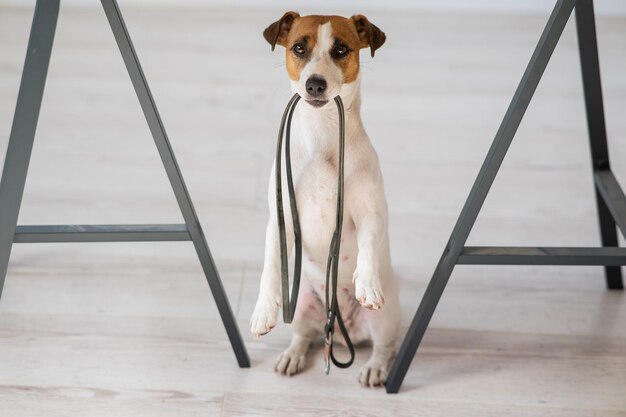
332, 266
289, 308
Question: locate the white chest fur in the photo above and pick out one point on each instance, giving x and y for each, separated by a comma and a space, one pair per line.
315, 149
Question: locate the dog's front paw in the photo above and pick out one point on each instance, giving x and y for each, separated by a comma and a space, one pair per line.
367, 290
264, 317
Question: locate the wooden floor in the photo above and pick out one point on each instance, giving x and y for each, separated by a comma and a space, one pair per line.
131, 329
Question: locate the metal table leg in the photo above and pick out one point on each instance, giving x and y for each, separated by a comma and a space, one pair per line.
19, 152
24, 125
479, 191
174, 175
588, 48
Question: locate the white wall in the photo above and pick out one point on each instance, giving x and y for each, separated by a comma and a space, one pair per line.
603, 7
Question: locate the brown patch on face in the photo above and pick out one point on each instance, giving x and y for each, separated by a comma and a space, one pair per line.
298, 33
345, 34
305, 30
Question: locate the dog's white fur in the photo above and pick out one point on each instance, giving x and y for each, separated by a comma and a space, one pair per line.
365, 273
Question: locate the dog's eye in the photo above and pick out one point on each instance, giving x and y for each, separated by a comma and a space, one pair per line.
340, 51
298, 49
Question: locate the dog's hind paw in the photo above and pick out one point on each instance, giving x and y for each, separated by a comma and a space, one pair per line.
291, 362
373, 375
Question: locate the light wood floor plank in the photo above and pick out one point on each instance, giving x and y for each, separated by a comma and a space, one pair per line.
256, 405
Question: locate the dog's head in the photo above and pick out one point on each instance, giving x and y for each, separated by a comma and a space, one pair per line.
323, 52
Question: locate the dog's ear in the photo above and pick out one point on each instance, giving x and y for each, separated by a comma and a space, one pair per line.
277, 32
369, 34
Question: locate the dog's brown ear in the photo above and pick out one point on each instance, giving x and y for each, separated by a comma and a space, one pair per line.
369, 33
277, 32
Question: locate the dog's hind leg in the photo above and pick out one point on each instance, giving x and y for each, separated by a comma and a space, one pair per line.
307, 325
383, 328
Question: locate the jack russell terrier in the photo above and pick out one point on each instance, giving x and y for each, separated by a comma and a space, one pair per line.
322, 62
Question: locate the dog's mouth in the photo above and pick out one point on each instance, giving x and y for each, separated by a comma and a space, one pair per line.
317, 103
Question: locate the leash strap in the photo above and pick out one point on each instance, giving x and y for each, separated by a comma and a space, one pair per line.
332, 266
289, 307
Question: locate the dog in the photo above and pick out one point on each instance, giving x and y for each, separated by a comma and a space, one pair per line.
322, 59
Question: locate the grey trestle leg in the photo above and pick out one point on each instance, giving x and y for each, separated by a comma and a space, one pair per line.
19, 152
610, 198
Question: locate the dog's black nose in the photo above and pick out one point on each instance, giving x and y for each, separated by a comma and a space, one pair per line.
315, 85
